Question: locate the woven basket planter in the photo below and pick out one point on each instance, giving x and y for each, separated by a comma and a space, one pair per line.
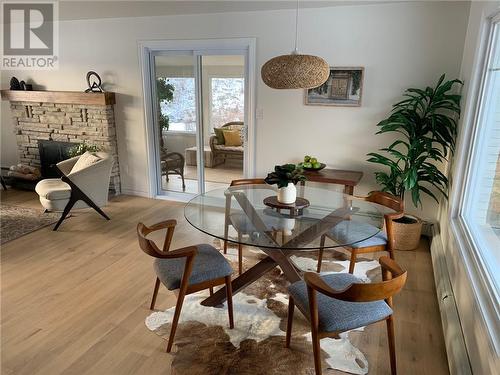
407, 232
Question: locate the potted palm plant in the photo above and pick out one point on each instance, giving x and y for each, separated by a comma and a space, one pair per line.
425, 122
286, 176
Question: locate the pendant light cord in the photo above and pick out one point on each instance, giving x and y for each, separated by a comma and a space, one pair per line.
296, 50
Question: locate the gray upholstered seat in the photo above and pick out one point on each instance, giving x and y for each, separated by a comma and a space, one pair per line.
344, 232
336, 315
208, 264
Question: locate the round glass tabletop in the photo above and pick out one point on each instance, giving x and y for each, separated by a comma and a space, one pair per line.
238, 214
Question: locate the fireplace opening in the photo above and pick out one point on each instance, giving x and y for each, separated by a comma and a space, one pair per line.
51, 153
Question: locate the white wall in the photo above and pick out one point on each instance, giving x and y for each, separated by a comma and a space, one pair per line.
400, 45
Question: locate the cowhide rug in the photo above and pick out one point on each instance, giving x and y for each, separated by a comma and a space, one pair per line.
204, 344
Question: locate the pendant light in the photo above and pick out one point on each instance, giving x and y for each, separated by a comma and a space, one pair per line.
295, 71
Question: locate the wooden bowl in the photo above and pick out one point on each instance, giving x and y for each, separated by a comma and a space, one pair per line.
323, 165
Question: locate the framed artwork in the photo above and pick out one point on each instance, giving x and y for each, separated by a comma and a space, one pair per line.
344, 87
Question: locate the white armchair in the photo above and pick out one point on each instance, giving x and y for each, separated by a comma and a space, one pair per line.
81, 187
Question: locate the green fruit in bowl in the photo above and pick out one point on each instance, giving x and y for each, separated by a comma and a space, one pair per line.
307, 158
313, 160
316, 165
307, 165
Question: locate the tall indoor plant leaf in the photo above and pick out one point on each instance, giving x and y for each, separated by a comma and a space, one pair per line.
426, 124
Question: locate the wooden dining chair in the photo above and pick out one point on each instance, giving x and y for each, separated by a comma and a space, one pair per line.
382, 241
239, 221
340, 302
189, 269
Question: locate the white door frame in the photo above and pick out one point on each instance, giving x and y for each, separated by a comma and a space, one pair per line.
147, 48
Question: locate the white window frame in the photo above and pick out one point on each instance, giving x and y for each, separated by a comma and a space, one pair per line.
205, 46
485, 293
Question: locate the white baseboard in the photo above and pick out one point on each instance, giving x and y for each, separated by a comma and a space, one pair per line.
138, 193
458, 359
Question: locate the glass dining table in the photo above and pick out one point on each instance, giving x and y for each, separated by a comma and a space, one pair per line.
239, 215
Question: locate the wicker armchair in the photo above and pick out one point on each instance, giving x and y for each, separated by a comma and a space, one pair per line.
172, 163
220, 151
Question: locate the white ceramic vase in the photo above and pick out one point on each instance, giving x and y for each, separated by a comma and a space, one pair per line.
287, 225
288, 194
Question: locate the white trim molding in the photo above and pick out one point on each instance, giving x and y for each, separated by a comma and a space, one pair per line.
458, 359
199, 47
471, 317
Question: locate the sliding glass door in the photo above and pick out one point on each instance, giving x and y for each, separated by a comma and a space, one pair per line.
199, 106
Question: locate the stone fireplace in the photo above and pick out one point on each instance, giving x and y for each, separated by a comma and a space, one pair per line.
68, 117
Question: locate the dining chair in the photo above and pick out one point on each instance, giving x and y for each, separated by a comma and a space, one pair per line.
239, 221
340, 302
382, 241
189, 269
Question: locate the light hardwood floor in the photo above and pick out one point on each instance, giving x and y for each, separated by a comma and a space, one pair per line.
215, 178
74, 301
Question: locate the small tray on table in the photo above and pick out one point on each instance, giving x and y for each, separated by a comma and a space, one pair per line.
295, 208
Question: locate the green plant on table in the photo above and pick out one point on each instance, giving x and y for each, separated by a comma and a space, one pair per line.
426, 123
284, 174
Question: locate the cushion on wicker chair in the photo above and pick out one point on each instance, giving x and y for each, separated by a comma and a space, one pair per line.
336, 315
209, 264
229, 148
345, 232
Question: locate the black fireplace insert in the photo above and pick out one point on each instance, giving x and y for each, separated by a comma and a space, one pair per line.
51, 153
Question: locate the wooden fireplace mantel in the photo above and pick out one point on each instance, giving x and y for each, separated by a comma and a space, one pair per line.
61, 97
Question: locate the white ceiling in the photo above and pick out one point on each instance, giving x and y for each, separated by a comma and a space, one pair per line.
77, 9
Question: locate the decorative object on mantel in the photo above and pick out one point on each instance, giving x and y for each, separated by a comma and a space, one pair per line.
311, 163
26, 86
286, 176
343, 88
20, 86
94, 82
295, 71
14, 84
427, 121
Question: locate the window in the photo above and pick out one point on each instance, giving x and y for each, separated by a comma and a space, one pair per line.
181, 111
480, 209
227, 101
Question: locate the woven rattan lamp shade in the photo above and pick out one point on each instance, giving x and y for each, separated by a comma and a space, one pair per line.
295, 71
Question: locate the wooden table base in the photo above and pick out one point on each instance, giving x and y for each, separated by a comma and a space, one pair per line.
275, 258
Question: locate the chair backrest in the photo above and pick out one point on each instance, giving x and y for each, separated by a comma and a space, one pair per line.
393, 276
147, 245
233, 124
386, 199
94, 179
392, 202
248, 181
